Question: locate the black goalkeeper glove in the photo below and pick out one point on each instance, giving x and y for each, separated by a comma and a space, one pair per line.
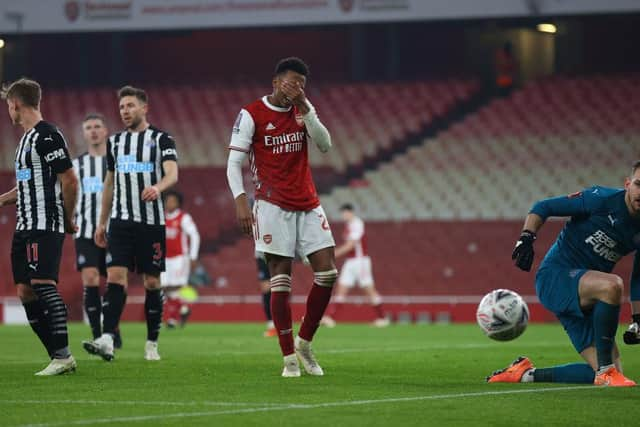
523, 252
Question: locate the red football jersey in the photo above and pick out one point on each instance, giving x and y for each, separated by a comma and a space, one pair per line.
276, 140
182, 237
354, 231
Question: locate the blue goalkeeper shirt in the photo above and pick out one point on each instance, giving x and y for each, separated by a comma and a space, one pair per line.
601, 231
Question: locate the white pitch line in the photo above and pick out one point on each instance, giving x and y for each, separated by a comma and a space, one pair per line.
309, 406
135, 403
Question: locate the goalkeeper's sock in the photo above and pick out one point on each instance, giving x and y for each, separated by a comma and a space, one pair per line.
605, 325
574, 373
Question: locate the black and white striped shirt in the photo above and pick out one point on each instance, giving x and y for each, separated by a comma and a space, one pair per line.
135, 158
41, 155
91, 171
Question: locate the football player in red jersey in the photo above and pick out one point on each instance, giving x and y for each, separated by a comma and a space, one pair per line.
183, 244
274, 132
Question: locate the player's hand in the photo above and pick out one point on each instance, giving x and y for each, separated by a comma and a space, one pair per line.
523, 252
150, 193
294, 93
244, 215
100, 238
70, 227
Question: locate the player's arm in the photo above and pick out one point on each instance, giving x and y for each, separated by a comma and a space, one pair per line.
576, 204
345, 248
9, 198
53, 148
241, 139
100, 237
189, 227
315, 129
169, 161
69, 184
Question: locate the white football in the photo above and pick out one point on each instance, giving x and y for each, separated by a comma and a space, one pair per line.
502, 315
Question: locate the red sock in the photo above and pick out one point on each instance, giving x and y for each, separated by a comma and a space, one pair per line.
171, 309
379, 311
281, 311
281, 314
317, 302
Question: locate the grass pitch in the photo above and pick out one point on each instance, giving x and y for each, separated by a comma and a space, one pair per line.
227, 374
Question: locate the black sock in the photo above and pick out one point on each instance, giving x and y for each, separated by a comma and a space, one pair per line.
93, 308
266, 304
112, 306
636, 318
38, 322
56, 313
153, 312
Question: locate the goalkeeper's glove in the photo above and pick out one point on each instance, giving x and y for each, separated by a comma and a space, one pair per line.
523, 252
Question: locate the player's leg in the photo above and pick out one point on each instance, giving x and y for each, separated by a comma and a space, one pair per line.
171, 287
153, 314
602, 293
150, 255
120, 258
91, 298
280, 270
32, 306
45, 254
274, 231
315, 241
265, 291
365, 279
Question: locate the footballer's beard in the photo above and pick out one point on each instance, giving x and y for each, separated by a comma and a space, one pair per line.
135, 122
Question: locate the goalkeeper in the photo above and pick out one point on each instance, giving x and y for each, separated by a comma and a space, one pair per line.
574, 280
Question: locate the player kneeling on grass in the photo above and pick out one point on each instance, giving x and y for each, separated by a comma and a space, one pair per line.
287, 217
574, 280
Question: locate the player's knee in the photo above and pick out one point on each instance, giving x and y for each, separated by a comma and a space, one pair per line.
614, 290
25, 293
117, 277
90, 277
325, 278
151, 282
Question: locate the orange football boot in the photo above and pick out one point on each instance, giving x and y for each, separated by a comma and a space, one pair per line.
512, 373
613, 378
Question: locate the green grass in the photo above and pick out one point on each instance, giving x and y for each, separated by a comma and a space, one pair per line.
227, 374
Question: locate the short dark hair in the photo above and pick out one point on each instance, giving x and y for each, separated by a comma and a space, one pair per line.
175, 193
140, 94
294, 64
635, 167
346, 207
94, 116
26, 90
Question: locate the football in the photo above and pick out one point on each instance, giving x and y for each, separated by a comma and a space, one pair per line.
502, 315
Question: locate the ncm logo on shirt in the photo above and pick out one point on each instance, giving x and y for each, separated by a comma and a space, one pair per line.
57, 154
603, 245
128, 164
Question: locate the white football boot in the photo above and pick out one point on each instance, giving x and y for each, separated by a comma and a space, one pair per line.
102, 347
291, 366
327, 321
58, 367
381, 322
151, 351
306, 356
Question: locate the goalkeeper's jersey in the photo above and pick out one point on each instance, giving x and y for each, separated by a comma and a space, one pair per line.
600, 232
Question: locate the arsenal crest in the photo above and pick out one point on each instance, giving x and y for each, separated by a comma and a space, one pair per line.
267, 238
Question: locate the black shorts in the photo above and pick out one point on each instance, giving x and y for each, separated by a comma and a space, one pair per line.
35, 254
263, 269
88, 254
139, 247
